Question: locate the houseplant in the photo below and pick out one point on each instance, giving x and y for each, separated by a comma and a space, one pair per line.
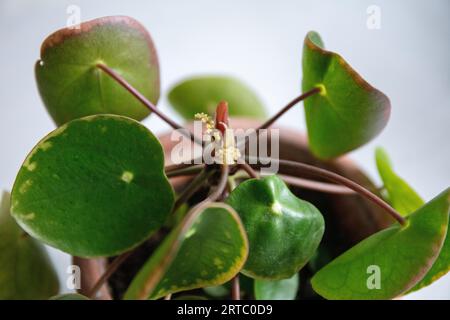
97, 185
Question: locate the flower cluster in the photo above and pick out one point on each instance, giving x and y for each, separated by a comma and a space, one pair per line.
226, 152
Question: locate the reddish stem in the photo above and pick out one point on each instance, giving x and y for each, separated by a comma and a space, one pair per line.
331, 176
274, 118
235, 288
120, 80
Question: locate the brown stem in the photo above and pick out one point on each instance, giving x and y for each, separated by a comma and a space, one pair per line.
185, 171
192, 188
252, 173
172, 167
235, 288
274, 118
316, 185
217, 193
112, 267
331, 176
119, 79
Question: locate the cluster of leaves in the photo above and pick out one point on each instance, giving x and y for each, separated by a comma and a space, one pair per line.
97, 187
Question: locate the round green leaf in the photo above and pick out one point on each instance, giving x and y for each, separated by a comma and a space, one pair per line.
208, 248
69, 296
400, 195
348, 112
202, 94
94, 187
71, 85
390, 262
285, 289
25, 269
283, 230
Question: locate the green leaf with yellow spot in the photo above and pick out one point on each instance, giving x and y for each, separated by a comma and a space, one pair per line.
26, 272
71, 85
348, 112
203, 93
285, 289
94, 187
399, 194
283, 230
390, 262
208, 248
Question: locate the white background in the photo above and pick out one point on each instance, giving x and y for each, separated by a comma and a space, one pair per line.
260, 42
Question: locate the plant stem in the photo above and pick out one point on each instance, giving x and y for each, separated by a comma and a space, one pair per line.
331, 176
274, 118
185, 171
316, 185
192, 188
252, 173
120, 80
216, 194
235, 288
112, 267
283, 110
172, 167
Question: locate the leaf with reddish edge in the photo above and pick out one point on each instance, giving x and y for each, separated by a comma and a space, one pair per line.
405, 200
347, 112
72, 86
390, 262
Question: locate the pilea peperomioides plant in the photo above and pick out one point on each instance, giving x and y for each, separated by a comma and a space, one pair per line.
102, 188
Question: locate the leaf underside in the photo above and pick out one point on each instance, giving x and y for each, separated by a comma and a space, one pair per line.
390, 262
348, 112
405, 200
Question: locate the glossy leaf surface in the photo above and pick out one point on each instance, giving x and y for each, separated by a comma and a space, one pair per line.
94, 187
283, 230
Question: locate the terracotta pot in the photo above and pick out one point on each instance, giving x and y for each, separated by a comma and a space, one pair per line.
348, 218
